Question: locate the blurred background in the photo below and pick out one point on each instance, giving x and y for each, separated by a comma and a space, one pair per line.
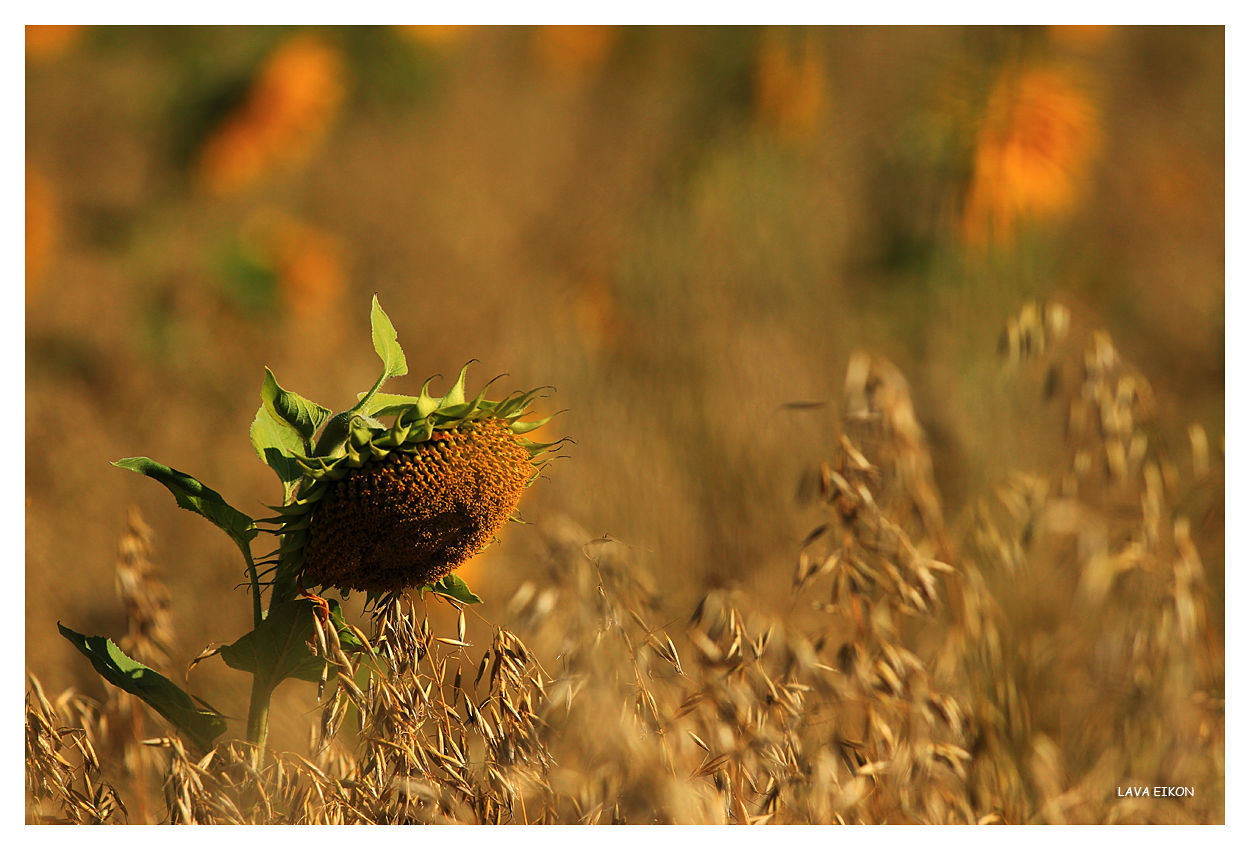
683, 230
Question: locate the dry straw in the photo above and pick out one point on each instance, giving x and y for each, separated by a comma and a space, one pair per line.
1048, 647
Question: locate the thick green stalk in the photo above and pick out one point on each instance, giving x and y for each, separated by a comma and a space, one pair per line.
258, 718
258, 708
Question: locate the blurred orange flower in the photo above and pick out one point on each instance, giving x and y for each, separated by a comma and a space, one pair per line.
1032, 153
40, 228
789, 84
435, 35
291, 103
573, 51
596, 313
307, 263
1081, 35
48, 42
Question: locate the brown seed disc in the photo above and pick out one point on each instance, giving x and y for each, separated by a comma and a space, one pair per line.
412, 518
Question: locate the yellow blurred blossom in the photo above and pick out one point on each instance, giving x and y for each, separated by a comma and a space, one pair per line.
48, 42
573, 52
789, 84
40, 228
286, 113
1032, 154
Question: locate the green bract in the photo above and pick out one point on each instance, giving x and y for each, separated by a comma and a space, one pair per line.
398, 506
380, 508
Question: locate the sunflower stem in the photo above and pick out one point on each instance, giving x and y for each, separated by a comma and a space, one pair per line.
258, 718
262, 690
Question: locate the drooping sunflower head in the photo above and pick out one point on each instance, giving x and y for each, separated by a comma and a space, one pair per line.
381, 508
403, 506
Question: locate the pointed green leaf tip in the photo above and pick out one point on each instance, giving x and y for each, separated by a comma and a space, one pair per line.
301, 414
201, 725
386, 343
455, 395
197, 498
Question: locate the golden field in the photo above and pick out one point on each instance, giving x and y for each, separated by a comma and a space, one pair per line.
892, 361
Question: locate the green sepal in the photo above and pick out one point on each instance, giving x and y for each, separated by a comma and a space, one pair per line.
456, 394
480, 402
526, 427
201, 725
425, 404
297, 524
454, 587
197, 498
291, 542
514, 406
453, 414
293, 509
311, 495
318, 467
278, 648
538, 448
451, 406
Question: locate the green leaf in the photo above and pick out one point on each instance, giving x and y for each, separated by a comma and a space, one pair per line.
197, 498
277, 443
293, 409
386, 344
455, 587
201, 725
283, 430
278, 648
